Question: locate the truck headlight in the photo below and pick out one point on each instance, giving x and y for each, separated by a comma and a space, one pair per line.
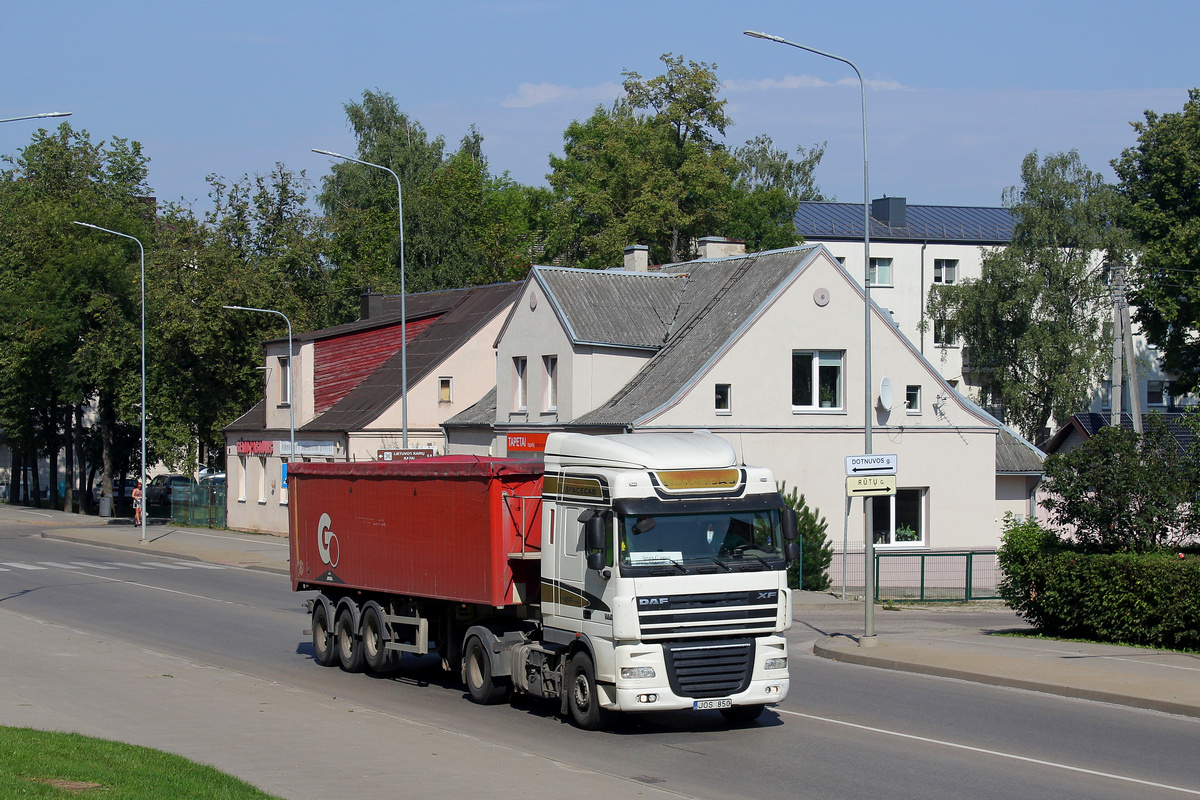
775, 663
633, 673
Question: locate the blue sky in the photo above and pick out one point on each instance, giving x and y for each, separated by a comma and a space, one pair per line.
958, 92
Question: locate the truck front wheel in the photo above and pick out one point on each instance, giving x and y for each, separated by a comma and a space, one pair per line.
583, 698
349, 646
484, 688
322, 636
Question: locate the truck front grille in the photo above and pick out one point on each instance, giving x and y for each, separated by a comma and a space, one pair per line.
686, 616
709, 669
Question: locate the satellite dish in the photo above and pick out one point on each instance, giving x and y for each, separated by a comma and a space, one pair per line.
885, 394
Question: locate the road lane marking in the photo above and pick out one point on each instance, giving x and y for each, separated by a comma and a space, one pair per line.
60, 566
91, 565
111, 579
164, 565
204, 565
19, 565
997, 753
129, 566
266, 541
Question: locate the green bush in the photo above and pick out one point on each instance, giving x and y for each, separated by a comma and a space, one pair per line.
1144, 599
811, 573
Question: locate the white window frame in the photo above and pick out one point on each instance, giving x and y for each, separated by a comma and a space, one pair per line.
912, 399
885, 263
727, 395
889, 542
940, 326
1164, 394
821, 359
520, 383
262, 480
243, 461
550, 383
285, 381
445, 389
945, 270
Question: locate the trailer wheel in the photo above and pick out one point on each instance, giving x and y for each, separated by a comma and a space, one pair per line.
483, 687
374, 643
583, 698
322, 637
742, 714
349, 646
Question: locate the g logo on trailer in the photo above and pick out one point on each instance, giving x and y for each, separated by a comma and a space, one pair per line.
327, 543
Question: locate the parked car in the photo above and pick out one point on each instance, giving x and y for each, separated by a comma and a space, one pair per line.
158, 493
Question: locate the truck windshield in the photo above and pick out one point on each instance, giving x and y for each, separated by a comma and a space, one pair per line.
728, 540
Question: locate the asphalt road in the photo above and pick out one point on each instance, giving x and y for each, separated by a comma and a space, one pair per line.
844, 731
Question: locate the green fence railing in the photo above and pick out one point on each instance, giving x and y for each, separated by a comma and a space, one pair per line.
945, 576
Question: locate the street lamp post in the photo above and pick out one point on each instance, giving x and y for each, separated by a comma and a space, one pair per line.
43, 115
291, 375
403, 310
868, 638
142, 250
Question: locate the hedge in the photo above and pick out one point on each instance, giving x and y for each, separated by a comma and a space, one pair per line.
1145, 599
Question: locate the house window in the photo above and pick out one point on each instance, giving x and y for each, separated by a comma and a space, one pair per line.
242, 479
943, 333
722, 400
262, 480
520, 388
912, 399
285, 381
881, 272
1157, 393
1106, 396
945, 270
283, 482
841, 260
445, 390
900, 519
817, 379
550, 382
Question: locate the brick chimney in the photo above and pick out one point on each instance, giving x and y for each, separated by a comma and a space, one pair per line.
637, 258
720, 247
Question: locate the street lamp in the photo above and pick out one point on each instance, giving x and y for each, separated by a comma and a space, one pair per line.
43, 115
142, 475
291, 375
868, 639
403, 313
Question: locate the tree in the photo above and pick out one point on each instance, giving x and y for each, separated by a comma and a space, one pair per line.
462, 226
1124, 492
1032, 325
649, 170
816, 552
1160, 180
69, 295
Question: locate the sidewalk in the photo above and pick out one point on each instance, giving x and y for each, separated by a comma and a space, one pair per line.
1137, 677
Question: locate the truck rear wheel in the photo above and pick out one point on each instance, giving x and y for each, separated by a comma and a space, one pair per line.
322, 636
349, 646
374, 642
483, 687
583, 698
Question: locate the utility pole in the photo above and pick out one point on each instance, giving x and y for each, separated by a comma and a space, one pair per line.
1123, 339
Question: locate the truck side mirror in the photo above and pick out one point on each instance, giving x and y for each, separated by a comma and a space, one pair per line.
791, 527
596, 561
595, 533
792, 551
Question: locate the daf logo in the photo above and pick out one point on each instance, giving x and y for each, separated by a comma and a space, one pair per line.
768, 595
654, 601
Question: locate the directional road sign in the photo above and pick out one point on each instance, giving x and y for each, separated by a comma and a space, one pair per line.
870, 485
873, 464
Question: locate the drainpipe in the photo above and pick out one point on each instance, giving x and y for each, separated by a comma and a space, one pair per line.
921, 310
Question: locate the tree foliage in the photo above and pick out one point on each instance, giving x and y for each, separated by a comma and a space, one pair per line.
816, 551
1033, 325
1121, 492
650, 170
1160, 179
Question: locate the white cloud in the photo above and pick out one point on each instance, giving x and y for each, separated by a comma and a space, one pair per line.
805, 82
529, 95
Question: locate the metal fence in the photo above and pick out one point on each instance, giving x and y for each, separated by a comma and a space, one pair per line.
924, 576
199, 506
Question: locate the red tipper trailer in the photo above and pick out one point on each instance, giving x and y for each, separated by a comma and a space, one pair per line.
459, 528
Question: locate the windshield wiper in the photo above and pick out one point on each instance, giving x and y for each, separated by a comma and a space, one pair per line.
719, 563
670, 561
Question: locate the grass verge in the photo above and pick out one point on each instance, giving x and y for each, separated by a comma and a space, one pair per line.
43, 764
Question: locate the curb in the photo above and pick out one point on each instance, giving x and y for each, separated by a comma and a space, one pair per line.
157, 552
824, 649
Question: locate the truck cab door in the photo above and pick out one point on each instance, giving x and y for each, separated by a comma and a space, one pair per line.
570, 560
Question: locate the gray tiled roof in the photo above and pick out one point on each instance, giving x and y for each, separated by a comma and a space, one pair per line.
623, 309
471, 309
1089, 423
958, 224
253, 420
480, 415
721, 296
1014, 455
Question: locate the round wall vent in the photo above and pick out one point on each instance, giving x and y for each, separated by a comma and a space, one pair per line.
821, 297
